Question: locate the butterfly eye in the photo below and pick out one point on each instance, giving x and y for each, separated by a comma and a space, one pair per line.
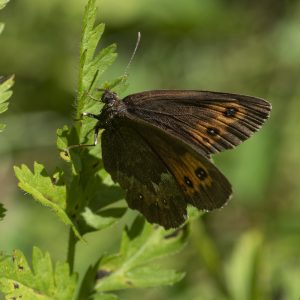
188, 181
230, 112
201, 174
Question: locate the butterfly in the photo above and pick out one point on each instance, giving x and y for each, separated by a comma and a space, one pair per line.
157, 145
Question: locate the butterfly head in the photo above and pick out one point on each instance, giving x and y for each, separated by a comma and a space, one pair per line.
113, 107
109, 97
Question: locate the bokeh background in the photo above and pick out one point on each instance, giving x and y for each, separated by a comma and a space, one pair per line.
248, 250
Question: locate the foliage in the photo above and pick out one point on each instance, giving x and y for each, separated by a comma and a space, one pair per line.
48, 191
43, 282
137, 263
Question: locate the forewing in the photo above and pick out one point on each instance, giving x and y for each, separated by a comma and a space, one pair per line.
209, 121
149, 185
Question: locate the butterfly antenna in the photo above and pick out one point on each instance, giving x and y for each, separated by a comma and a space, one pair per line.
133, 54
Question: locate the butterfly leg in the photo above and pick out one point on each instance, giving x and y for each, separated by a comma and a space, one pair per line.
96, 135
86, 145
87, 114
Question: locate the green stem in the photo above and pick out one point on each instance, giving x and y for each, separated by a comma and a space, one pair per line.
71, 250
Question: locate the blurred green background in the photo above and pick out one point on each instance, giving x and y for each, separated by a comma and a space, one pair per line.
248, 250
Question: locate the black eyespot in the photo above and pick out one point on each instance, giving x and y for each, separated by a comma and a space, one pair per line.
141, 197
230, 111
188, 181
213, 131
201, 174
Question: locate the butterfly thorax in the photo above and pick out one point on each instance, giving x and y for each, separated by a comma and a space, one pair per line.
113, 107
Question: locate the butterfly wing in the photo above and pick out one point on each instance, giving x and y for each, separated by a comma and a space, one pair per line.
209, 121
149, 185
160, 174
158, 144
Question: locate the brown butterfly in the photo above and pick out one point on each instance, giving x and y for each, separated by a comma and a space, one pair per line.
157, 146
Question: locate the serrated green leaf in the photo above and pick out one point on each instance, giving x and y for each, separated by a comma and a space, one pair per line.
43, 282
91, 35
2, 211
40, 186
135, 265
146, 243
102, 61
92, 66
243, 268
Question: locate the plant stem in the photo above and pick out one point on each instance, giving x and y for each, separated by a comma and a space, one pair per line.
71, 250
